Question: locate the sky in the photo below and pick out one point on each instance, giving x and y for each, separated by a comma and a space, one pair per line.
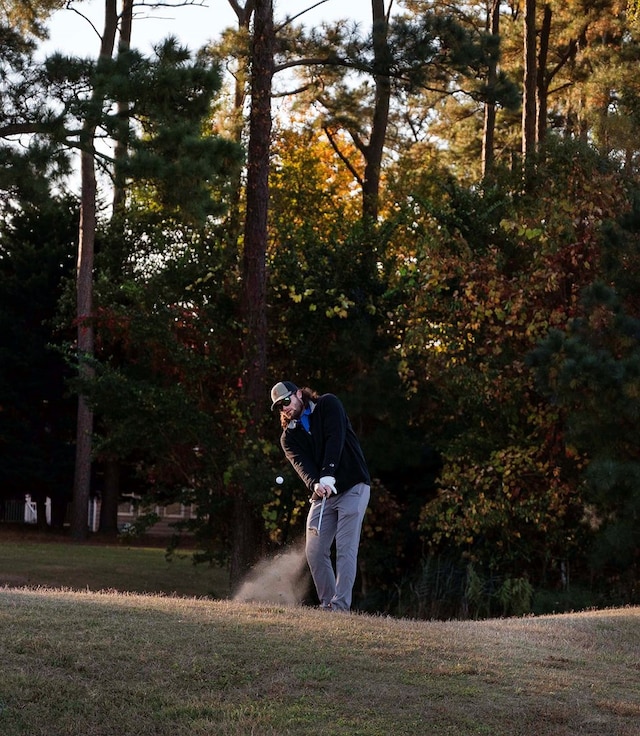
194, 25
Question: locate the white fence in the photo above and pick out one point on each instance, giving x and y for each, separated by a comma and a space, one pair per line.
27, 511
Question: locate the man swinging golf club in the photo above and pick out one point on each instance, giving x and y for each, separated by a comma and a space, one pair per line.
319, 442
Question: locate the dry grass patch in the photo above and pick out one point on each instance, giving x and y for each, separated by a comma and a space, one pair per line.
113, 664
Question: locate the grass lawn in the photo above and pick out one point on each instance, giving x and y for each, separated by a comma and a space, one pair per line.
40, 560
97, 662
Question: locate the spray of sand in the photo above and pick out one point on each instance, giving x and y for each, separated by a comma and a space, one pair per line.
282, 579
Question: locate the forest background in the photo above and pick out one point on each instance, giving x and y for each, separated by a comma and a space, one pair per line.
440, 225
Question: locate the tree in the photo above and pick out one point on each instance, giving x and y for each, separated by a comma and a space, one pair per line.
253, 297
373, 150
493, 27
171, 169
166, 356
84, 285
590, 369
80, 96
424, 58
36, 416
28, 16
530, 85
44, 121
582, 54
489, 274
235, 48
121, 143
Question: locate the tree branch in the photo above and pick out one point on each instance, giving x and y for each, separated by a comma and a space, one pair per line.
295, 17
330, 60
341, 156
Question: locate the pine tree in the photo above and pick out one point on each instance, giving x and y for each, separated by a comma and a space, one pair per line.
592, 371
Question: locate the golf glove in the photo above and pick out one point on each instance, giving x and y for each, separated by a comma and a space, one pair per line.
329, 481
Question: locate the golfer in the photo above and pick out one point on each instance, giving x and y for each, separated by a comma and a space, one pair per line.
319, 442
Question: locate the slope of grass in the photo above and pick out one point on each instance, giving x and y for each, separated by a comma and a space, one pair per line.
87, 655
110, 664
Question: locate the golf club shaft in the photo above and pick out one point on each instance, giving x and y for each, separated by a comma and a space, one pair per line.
324, 499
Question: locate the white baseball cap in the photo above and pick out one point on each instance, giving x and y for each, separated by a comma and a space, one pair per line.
280, 391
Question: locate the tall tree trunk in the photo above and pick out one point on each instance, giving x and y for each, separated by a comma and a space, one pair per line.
529, 117
488, 136
84, 296
375, 148
111, 489
254, 290
233, 229
245, 542
122, 143
543, 80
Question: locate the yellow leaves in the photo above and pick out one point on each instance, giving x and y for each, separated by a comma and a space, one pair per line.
336, 311
509, 225
341, 309
532, 233
297, 298
307, 173
522, 230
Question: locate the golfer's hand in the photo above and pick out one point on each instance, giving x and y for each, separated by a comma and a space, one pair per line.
326, 486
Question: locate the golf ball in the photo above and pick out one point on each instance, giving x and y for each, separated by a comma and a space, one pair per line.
279, 480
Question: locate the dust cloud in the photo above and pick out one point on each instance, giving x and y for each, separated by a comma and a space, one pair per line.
282, 579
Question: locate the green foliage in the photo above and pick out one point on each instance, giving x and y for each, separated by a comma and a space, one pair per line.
166, 356
28, 16
592, 370
486, 596
439, 45
438, 590
36, 415
515, 596
327, 278
571, 598
156, 105
329, 330
448, 587
30, 168
493, 273
186, 172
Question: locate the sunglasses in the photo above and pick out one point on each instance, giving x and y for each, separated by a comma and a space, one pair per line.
285, 402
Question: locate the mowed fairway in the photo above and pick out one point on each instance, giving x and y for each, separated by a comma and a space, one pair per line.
25, 560
98, 664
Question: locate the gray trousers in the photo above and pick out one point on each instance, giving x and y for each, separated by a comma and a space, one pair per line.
342, 521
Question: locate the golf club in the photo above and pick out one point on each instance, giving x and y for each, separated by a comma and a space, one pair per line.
316, 529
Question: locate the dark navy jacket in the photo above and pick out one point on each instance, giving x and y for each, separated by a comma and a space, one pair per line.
329, 448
